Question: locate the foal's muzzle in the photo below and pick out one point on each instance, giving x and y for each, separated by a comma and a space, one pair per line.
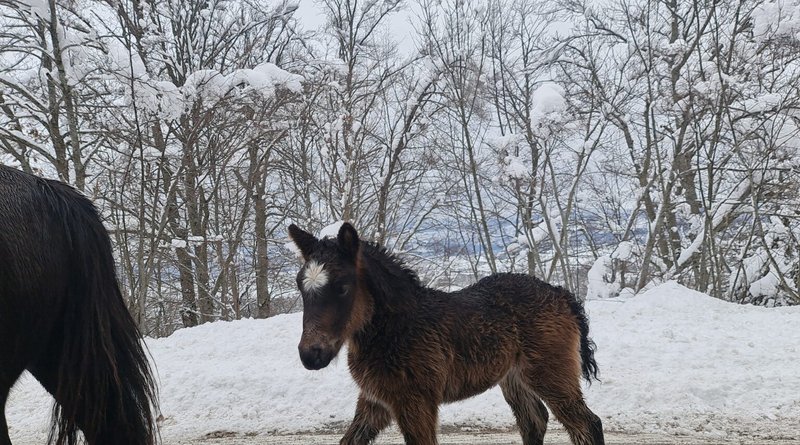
315, 356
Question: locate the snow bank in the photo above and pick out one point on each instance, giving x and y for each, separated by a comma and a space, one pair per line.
672, 360
676, 360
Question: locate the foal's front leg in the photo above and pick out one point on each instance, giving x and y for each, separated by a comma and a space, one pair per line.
369, 420
417, 419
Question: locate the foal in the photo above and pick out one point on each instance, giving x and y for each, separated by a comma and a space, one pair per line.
412, 348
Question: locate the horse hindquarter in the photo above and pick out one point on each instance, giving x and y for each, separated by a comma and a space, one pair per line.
32, 280
57, 279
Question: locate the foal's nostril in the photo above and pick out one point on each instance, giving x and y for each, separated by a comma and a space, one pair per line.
314, 357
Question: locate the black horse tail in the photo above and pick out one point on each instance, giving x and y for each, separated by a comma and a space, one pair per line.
588, 364
104, 384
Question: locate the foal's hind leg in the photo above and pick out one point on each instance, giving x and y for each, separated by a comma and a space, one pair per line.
369, 420
553, 370
528, 409
559, 386
583, 426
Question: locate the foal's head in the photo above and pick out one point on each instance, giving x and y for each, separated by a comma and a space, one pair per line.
333, 305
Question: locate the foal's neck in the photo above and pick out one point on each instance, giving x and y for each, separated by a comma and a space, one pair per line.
390, 295
393, 287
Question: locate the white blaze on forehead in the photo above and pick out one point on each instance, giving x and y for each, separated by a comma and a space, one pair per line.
315, 276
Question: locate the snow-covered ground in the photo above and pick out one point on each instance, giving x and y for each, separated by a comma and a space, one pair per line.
672, 361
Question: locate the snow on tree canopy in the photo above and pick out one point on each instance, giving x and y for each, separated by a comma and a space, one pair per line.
514, 168
38, 7
624, 251
211, 85
331, 230
292, 247
178, 244
266, 77
511, 166
601, 283
777, 19
766, 286
536, 235
123, 62
548, 101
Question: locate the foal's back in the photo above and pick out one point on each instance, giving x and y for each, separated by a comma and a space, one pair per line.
520, 294
501, 323
506, 305
532, 339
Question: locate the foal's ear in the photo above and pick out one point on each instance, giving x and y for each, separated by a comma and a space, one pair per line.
348, 240
304, 241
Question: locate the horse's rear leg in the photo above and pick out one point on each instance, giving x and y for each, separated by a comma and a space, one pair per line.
47, 375
4, 439
370, 419
528, 409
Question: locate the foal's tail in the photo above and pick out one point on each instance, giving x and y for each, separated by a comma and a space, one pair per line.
588, 365
104, 383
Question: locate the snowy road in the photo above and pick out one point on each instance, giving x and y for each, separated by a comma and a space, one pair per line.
556, 437
552, 438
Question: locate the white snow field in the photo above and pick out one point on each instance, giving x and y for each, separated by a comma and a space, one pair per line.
673, 362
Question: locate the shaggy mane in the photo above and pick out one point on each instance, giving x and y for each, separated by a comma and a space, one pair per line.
389, 261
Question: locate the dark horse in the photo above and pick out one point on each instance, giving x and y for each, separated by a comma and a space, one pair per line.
412, 348
62, 317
